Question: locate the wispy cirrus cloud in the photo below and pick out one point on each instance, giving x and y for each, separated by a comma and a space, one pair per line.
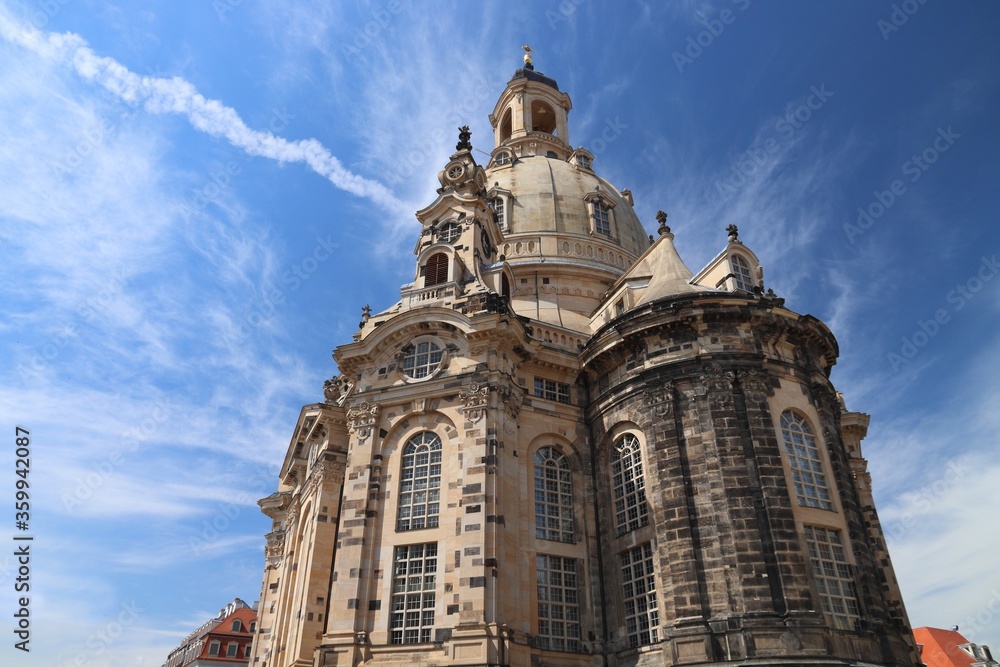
161, 95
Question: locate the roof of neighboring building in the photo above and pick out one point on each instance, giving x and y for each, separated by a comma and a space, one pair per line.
218, 627
941, 647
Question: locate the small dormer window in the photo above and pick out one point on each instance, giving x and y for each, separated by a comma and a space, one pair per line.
741, 274
450, 233
602, 218
497, 206
502, 158
237, 626
583, 161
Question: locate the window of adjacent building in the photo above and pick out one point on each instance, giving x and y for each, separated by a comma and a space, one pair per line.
422, 359
642, 616
450, 233
553, 496
805, 462
237, 626
602, 218
214, 648
833, 577
628, 485
741, 273
420, 483
496, 205
436, 270
246, 651
232, 650
551, 390
413, 585
558, 604
253, 626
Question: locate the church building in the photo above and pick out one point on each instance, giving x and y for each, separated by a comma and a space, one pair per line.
562, 447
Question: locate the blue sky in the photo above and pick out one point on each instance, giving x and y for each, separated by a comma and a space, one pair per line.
196, 199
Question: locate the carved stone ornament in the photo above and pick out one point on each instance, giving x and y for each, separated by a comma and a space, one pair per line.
824, 397
322, 471
463, 139
336, 389
291, 518
274, 550
659, 397
362, 419
511, 399
718, 382
755, 385
474, 401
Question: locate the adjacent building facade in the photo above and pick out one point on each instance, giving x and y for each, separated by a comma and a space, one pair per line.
224, 641
560, 446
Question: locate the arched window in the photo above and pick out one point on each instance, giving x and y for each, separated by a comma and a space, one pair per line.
503, 157
420, 483
504, 286
505, 126
553, 496
237, 626
805, 462
543, 118
628, 485
449, 233
436, 270
422, 359
741, 274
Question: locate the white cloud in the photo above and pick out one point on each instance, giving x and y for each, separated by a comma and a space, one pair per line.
177, 96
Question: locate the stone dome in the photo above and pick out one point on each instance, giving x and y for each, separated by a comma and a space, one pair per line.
549, 196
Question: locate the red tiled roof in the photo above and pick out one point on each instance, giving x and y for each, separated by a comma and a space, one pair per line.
941, 647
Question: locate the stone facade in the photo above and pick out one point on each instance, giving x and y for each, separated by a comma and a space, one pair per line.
561, 447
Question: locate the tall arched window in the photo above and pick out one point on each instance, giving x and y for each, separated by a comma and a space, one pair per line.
543, 118
553, 496
436, 269
506, 126
805, 461
420, 483
741, 273
628, 485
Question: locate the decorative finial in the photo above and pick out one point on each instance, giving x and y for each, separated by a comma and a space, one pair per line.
366, 312
463, 139
734, 233
661, 217
527, 57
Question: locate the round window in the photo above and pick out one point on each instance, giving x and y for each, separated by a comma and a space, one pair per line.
422, 359
450, 233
